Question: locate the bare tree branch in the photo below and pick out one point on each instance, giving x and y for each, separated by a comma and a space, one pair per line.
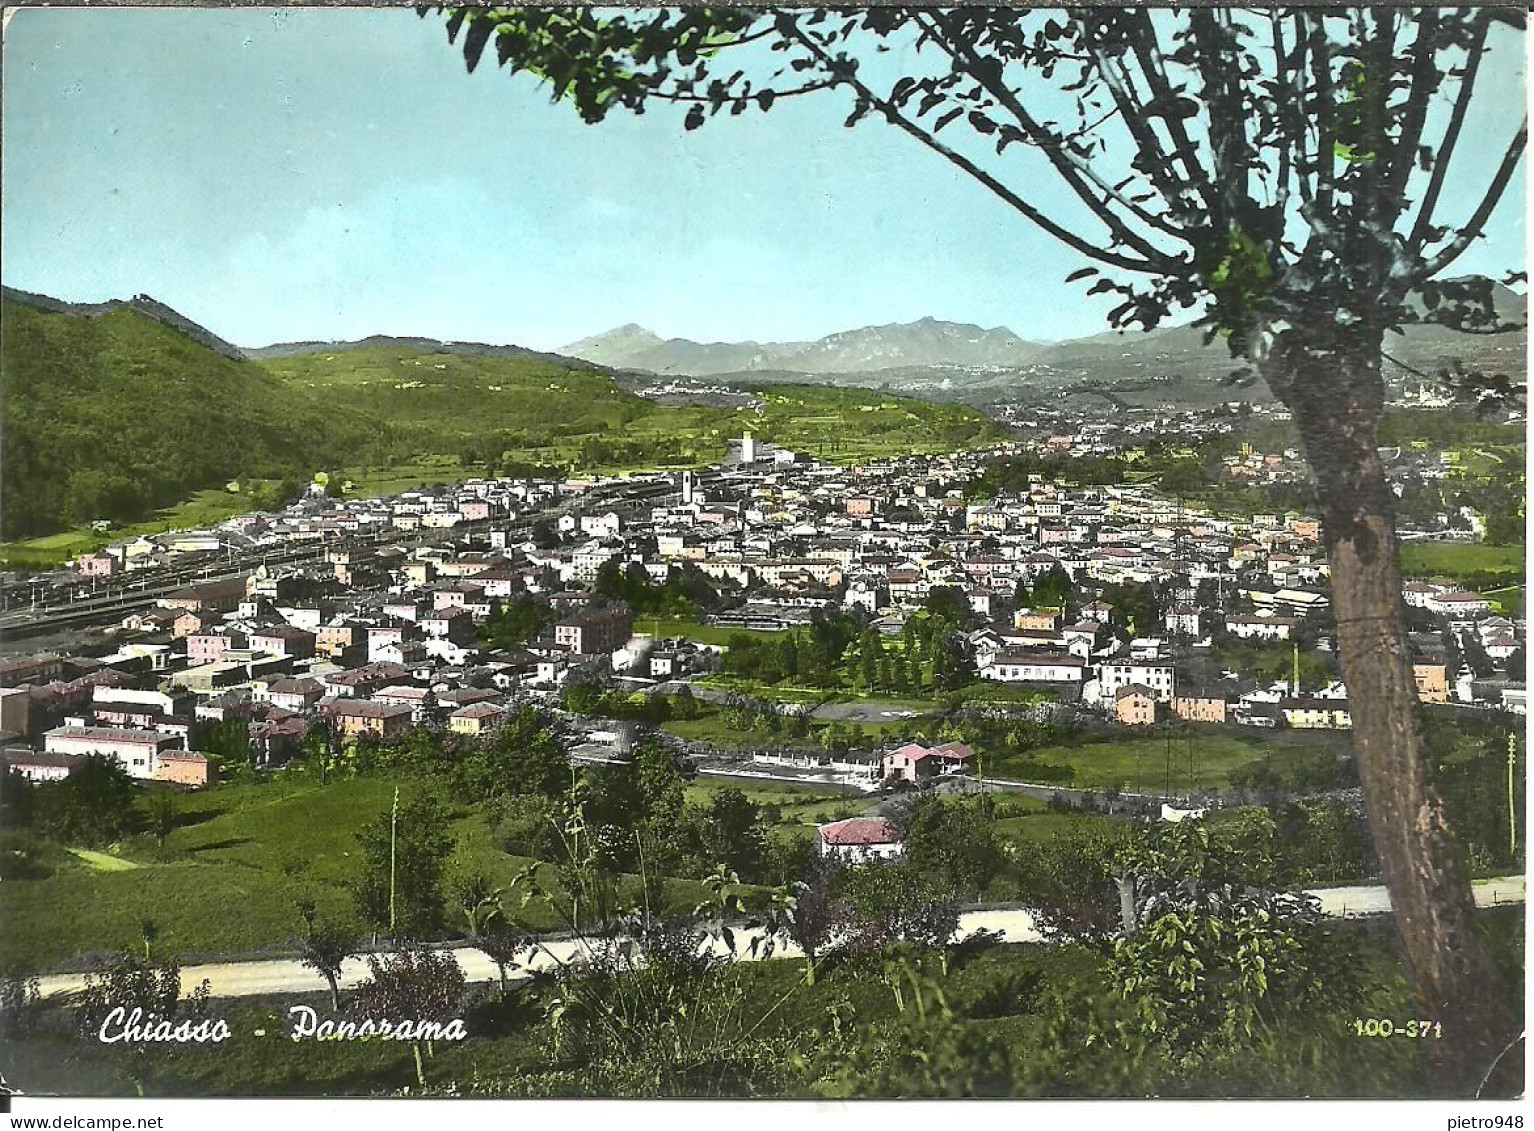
1227, 121
1326, 139
1147, 48
1472, 227
1073, 170
1418, 238
1316, 202
1131, 107
1424, 81
788, 25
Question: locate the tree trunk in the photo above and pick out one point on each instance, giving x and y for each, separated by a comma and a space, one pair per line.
1337, 403
335, 992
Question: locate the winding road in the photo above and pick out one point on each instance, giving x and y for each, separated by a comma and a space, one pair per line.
1013, 925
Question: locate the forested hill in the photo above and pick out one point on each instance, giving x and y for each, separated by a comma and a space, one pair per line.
113, 414
144, 304
280, 350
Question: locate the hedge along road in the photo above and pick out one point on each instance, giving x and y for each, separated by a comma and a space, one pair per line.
1012, 925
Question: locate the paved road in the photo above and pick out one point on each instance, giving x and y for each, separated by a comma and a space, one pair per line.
1015, 925
1351, 902
288, 976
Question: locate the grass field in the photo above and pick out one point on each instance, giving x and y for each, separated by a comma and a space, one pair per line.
759, 690
231, 874
227, 879
1508, 601
1457, 559
667, 627
205, 508
802, 807
1032, 832
427, 471
546, 413
709, 727
1140, 764
104, 862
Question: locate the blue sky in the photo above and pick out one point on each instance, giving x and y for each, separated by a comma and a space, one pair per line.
294, 174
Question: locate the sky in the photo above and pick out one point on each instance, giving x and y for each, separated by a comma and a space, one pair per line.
283, 175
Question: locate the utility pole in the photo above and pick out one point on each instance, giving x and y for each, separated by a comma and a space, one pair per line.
1512, 812
393, 828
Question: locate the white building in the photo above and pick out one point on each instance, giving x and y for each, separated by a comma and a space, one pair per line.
137, 751
1261, 628
1159, 676
1022, 666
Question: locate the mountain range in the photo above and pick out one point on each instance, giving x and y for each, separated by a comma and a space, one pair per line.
868, 349
960, 361
930, 358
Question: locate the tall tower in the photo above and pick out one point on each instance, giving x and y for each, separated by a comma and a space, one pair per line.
686, 488
747, 448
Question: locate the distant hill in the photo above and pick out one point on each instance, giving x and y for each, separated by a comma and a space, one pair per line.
142, 303
569, 414
957, 362
425, 345
865, 350
1187, 371
615, 347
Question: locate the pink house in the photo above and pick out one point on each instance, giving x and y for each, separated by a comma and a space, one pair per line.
209, 647
916, 763
474, 511
97, 565
185, 767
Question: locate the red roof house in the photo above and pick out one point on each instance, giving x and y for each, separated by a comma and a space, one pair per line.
860, 839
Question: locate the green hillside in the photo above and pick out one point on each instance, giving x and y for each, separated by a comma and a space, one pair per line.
111, 417
117, 416
491, 410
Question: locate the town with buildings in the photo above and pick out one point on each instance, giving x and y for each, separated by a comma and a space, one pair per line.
1114, 605
524, 576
